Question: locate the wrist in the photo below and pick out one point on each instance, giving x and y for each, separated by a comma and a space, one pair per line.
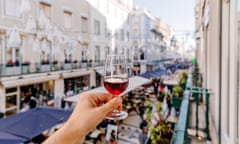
73, 131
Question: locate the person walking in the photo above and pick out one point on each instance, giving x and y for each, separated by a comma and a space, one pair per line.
143, 136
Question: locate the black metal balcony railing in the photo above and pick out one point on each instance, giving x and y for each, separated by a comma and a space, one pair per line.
30, 68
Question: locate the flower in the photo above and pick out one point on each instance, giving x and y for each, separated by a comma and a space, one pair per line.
67, 61
12, 63
55, 62
45, 62
26, 63
75, 61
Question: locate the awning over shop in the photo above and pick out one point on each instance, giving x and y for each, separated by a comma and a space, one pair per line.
28, 80
154, 74
31, 123
7, 138
134, 82
100, 71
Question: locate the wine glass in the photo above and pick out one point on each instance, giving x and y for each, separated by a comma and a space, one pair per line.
116, 80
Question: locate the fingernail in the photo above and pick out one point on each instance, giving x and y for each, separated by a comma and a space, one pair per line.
119, 108
118, 101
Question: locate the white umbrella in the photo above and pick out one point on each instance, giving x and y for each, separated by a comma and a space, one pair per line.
45, 47
25, 6
14, 39
36, 46
55, 48
31, 24
42, 20
49, 27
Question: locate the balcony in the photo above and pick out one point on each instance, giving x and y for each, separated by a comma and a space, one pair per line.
193, 124
7, 70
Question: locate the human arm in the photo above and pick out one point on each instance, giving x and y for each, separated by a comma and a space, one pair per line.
90, 110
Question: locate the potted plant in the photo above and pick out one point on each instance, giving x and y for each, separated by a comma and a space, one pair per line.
26, 63
183, 80
177, 96
45, 62
75, 61
158, 131
12, 63
55, 62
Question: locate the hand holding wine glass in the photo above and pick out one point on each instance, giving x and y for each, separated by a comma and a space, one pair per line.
116, 80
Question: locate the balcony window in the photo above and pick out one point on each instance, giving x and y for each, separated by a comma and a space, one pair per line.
105, 30
128, 36
84, 53
97, 53
67, 17
122, 34
107, 50
46, 8
12, 8
97, 27
84, 22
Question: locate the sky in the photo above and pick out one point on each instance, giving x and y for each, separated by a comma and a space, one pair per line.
179, 14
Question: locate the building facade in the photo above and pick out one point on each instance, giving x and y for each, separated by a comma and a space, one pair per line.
142, 23
50, 49
217, 42
111, 27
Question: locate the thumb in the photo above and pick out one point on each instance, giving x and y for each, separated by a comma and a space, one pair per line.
111, 105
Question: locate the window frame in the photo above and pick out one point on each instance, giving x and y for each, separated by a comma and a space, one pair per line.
4, 15
71, 24
97, 27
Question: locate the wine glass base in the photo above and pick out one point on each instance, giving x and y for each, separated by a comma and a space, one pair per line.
117, 116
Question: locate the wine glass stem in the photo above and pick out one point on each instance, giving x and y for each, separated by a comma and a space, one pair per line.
116, 110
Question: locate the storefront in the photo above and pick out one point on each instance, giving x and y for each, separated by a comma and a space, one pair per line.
76, 85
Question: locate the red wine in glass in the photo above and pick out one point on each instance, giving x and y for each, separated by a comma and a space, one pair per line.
116, 80
116, 85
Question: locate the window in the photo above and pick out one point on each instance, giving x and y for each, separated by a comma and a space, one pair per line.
97, 27
106, 31
45, 49
135, 32
46, 8
128, 36
116, 35
122, 51
84, 22
97, 53
116, 50
107, 50
128, 54
12, 8
84, 52
67, 17
11, 101
122, 34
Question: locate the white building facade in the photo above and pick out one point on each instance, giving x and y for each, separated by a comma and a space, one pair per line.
53, 48
111, 27
217, 43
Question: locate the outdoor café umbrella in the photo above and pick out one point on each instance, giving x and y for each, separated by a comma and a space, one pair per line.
33, 122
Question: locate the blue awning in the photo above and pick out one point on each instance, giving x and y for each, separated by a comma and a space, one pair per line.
7, 138
154, 74
33, 122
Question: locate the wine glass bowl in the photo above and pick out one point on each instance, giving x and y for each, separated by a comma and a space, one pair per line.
116, 80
